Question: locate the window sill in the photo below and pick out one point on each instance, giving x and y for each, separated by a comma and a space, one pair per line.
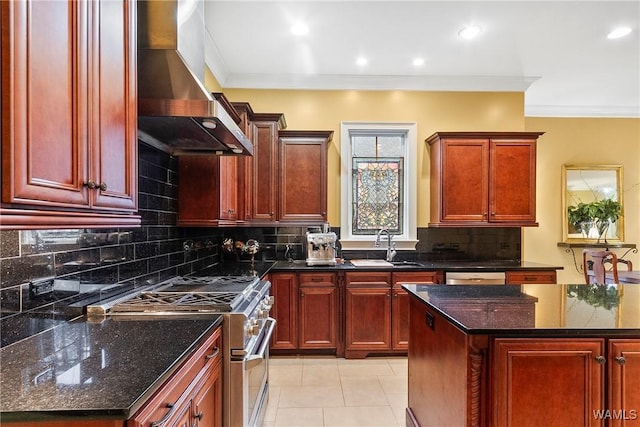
352, 244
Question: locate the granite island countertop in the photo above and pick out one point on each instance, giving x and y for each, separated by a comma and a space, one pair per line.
102, 369
536, 310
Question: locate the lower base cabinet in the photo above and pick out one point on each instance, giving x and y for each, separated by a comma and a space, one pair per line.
192, 397
482, 380
306, 311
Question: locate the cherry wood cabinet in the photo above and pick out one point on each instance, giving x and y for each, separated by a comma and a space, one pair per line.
483, 178
400, 305
69, 121
367, 313
192, 396
489, 379
244, 163
624, 371
303, 175
284, 289
524, 369
263, 191
207, 193
306, 311
529, 277
318, 311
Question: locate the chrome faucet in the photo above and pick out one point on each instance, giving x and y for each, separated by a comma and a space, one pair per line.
391, 245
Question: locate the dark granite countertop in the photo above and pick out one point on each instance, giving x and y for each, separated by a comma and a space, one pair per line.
422, 266
85, 369
537, 310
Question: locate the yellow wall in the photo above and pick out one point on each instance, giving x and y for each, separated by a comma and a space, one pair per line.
567, 140
432, 111
580, 140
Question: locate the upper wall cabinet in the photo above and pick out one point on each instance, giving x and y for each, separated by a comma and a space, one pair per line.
303, 175
481, 179
69, 144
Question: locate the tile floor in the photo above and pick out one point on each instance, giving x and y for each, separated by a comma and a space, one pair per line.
327, 391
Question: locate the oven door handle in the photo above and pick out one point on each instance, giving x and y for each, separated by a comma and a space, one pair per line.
256, 359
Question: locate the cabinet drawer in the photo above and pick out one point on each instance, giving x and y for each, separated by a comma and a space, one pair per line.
317, 279
368, 279
523, 277
415, 277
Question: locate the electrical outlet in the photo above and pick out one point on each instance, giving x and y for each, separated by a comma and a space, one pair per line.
40, 287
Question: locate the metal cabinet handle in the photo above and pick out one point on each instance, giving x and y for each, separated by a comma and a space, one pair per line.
601, 360
199, 416
621, 360
216, 351
91, 185
171, 407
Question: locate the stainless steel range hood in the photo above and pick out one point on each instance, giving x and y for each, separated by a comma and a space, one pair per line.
175, 111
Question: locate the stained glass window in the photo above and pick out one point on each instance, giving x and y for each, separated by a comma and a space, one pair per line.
377, 183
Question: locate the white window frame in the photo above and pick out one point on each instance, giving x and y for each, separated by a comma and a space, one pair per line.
405, 241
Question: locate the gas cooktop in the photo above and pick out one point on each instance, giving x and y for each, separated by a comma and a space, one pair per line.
185, 294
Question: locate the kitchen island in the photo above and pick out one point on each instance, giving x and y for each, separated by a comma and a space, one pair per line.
528, 355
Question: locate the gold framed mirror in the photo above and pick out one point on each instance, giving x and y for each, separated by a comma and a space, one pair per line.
584, 184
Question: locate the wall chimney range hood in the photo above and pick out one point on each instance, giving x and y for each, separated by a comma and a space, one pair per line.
175, 112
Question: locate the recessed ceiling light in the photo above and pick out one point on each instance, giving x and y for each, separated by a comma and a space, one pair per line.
361, 61
418, 62
619, 32
470, 32
300, 29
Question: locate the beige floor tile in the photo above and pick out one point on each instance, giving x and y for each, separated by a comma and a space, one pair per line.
364, 393
286, 360
299, 417
365, 369
320, 360
285, 375
310, 397
359, 416
398, 404
320, 375
394, 384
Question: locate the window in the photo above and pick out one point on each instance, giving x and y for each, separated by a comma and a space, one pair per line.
378, 183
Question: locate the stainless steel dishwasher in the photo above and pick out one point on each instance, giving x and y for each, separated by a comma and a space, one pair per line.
475, 278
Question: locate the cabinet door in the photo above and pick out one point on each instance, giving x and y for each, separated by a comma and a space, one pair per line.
113, 123
513, 181
284, 289
44, 129
303, 176
228, 187
368, 313
464, 180
624, 382
560, 380
400, 305
264, 185
318, 317
207, 401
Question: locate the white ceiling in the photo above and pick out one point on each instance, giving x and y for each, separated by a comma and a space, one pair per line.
555, 51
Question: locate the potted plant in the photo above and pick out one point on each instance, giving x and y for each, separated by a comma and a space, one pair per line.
606, 212
599, 213
581, 217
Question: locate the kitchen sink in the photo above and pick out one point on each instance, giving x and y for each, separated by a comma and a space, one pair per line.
408, 264
371, 263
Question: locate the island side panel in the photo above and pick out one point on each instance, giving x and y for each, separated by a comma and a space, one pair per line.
446, 375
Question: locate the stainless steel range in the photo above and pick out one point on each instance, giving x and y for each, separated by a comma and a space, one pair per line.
244, 303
